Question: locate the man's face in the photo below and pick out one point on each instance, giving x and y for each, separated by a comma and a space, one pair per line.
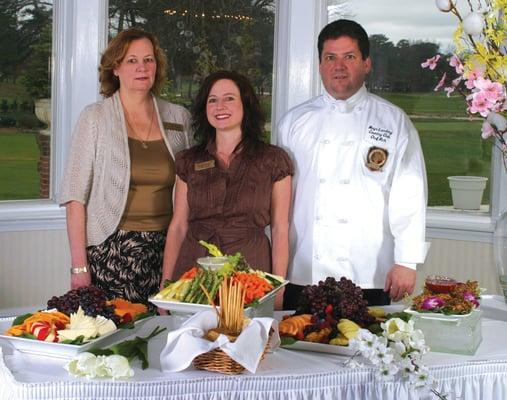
342, 68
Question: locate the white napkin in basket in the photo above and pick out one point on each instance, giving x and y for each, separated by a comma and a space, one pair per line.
186, 343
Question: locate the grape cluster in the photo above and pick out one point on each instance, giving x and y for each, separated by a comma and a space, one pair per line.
91, 299
315, 298
352, 305
331, 300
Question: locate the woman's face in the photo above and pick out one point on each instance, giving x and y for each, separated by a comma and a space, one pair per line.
224, 108
138, 68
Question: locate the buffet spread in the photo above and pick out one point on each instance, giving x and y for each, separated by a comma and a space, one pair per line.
224, 313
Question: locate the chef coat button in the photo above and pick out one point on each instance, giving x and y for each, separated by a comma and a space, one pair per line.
318, 217
325, 141
342, 220
344, 181
317, 257
341, 259
322, 180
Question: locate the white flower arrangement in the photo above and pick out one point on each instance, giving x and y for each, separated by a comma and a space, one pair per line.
91, 366
396, 353
480, 64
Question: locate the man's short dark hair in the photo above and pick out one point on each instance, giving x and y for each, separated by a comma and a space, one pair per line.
345, 27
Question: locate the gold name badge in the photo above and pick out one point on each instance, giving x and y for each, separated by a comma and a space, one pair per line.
199, 166
376, 158
173, 126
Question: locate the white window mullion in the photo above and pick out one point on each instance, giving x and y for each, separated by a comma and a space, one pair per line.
296, 69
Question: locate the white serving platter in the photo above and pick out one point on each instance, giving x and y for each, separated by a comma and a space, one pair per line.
192, 308
62, 350
319, 348
335, 349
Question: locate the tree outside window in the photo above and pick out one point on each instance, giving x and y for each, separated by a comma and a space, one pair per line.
25, 44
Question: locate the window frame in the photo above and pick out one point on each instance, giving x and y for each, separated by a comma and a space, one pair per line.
77, 43
75, 54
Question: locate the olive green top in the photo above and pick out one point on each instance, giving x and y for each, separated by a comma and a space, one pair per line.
149, 203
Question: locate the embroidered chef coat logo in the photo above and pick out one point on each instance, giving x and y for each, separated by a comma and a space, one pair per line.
199, 166
376, 158
377, 134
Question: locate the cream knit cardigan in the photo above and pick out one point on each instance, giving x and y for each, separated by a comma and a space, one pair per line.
97, 173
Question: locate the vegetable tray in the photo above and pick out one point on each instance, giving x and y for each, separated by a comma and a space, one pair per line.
192, 308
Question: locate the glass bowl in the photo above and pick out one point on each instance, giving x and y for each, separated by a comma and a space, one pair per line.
212, 262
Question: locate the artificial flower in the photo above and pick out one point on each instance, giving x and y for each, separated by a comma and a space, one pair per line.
473, 24
444, 5
84, 364
396, 352
397, 329
91, 366
469, 296
431, 63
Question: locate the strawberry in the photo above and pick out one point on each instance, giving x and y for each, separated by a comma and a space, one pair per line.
329, 309
127, 318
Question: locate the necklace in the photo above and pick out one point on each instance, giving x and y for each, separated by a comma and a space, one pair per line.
143, 142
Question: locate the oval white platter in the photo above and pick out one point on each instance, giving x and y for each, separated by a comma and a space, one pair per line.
62, 350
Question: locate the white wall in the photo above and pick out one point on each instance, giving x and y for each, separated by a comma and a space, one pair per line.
34, 265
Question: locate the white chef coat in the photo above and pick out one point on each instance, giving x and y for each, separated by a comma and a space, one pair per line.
348, 220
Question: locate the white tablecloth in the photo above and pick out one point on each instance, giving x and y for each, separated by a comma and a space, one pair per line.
284, 374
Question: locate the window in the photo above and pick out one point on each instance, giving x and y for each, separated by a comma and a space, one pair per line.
25, 113
400, 41
200, 37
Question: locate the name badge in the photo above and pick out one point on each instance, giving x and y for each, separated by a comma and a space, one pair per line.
173, 126
199, 166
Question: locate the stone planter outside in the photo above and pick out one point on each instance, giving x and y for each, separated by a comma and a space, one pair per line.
467, 191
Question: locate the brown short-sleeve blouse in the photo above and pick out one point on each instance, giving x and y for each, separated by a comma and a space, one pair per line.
230, 207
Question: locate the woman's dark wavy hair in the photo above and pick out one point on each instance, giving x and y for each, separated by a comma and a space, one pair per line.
252, 125
115, 53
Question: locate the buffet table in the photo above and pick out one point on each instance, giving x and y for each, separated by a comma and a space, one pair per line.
284, 374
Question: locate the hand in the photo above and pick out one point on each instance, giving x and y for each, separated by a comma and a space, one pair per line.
81, 279
400, 281
279, 300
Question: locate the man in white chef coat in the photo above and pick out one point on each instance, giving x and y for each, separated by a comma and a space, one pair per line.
360, 184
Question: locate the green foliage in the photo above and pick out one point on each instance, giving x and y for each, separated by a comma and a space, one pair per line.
37, 73
287, 340
131, 349
20, 319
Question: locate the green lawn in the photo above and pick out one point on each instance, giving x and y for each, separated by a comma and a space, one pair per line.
18, 165
429, 104
452, 148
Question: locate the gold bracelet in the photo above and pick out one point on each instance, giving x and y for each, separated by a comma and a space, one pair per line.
78, 270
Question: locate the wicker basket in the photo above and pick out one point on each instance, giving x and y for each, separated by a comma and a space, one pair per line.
218, 361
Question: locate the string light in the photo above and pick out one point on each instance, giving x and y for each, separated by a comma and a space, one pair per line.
238, 17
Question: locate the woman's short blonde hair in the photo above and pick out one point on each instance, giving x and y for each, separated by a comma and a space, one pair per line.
115, 53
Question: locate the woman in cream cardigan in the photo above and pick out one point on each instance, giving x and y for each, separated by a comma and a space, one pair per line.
119, 178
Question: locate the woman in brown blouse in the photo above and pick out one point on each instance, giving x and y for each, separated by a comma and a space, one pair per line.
230, 186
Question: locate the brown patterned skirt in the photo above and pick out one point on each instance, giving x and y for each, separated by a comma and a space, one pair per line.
128, 264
